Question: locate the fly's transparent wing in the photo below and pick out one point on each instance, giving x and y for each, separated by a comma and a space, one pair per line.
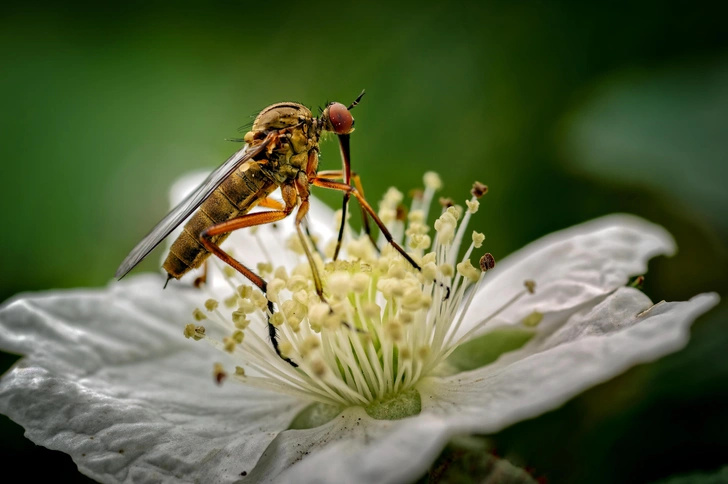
189, 205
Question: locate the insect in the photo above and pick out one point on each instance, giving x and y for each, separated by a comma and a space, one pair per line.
281, 150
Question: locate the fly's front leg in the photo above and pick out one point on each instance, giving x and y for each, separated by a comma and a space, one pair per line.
343, 187
304, 194
339, 175
250, 220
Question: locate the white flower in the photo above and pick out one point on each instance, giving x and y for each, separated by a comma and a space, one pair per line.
109, 378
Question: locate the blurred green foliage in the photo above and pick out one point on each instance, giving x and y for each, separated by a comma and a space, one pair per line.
104, 105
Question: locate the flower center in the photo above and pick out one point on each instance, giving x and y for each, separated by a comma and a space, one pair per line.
384, 326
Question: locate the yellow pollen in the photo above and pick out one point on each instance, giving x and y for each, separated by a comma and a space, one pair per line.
372, 310
260, 300
478, 239
472, 205
423, 352
228, 344
319, 368
231, 302
281, 273
432, 180
286, 348
238, 336
211, 305
244, 291
338, 284
276, 320
406, 317
246, 306
265, 268
239, 319
446, 270
466, 269
456, 211
198, 315
296, 283
360, 282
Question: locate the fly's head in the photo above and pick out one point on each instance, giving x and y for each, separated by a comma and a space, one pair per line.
337, 119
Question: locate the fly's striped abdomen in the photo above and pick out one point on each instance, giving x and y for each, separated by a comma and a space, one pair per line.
235, 196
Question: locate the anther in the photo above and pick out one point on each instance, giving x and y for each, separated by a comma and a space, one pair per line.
432, 180
211, 305
416, 194
487, 262
446, 202
478, 239
401, 213
530, 286
479, 189
218, 372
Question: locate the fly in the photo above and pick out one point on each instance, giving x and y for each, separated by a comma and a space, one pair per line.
281, 151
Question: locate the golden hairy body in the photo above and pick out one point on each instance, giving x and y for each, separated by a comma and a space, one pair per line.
295, 143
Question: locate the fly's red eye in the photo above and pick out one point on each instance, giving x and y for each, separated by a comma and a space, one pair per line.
341, 118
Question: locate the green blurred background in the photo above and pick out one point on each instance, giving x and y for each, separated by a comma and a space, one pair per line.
566, 110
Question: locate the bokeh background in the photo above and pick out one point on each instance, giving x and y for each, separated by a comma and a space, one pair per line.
567, 110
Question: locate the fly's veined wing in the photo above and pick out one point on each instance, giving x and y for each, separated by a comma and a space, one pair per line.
189, 205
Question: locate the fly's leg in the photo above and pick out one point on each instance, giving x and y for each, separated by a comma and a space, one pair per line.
268, 202
250, 220
343, 187
276, 205
304, 193
203, 278
339, 175
313, 242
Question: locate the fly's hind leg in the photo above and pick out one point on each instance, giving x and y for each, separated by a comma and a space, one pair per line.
251, 220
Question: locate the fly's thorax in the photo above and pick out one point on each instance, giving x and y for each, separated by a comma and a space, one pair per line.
282, 115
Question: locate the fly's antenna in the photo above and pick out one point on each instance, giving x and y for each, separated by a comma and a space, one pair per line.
356, 101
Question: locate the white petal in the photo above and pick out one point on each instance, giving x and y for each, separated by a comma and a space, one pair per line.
354, 448
267, 243
593, 346
570, 267
110, 380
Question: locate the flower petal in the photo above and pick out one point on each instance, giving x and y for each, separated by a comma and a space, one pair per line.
110, 380
354, 448
592, 347
570, 268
